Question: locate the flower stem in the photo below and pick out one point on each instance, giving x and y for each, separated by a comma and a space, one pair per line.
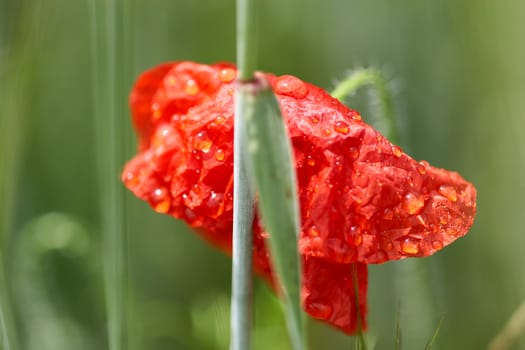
246, 39
243, 213
243, 199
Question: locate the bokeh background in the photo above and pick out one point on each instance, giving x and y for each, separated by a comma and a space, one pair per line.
458, 73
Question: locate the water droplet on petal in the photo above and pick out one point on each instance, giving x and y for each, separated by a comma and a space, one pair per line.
216, 201
319, 309
448, 192
389, 246
157, 113
437, 245
314, 120
341, 127
195, 188
220, 119
164, 134
227, 75
310, 160
354, 115
327, 131
422, 168
191, 87
388, 214
396, 150
410, 246
202, 142
291, 86
452, 232
313, 231
219, 155
353, 152
414, 203
160, 200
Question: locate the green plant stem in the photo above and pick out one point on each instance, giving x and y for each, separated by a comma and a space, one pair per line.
243, 213
375, 78
243, 198
360, 341
110, 68
246, 39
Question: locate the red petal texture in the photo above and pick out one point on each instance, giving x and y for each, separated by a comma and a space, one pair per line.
362, 199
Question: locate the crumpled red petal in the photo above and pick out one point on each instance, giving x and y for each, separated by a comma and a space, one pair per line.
362, 199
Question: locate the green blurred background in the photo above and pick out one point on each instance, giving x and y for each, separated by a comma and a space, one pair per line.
458, 72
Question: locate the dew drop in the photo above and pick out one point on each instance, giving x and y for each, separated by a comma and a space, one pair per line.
443, 221
313, 231
202, 142
310, 160
216, 200
291, 86
410, 246
354, 116
452, 232
195, 188
437, 245
227, 75
219, 120
219, 155
157, 113
320, 309
389, 246
327, 131
388, 214
414, 203
341, 127
314, 120
160, 200
353, 152
170, 80
448, 192
421, 168
162, 135
191, 87
396, 150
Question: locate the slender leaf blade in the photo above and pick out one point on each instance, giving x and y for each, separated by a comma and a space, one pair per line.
270, 166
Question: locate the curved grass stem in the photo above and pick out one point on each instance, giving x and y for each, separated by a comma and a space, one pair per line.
376, 79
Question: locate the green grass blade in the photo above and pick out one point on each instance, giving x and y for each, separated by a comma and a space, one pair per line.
432, 340
270, 164
360, 340
397, 339
111, 70
512, 330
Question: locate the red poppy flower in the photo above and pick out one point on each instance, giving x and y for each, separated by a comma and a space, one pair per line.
363, 201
